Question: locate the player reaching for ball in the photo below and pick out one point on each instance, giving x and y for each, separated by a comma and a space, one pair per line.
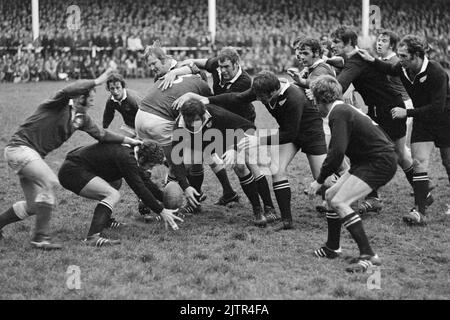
96, 172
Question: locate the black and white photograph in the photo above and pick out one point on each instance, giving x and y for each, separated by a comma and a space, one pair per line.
224, 155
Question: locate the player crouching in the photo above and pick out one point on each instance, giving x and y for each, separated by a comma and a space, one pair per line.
373, 164
198, 122
95, 172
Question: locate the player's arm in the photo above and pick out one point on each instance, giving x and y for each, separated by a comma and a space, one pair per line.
438, 86
352, 70
317, 72
104, 135
201, 63
108, 115
233, 98
337, 62
169, 77
384, 66
340, 137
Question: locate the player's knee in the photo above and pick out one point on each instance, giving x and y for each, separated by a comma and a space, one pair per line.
420, 164
335, 204
21, 210
112, 197
240, 170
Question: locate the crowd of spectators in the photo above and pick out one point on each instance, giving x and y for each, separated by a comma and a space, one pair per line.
119, 30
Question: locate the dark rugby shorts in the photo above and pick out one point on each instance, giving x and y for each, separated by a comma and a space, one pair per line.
427, 132
378, 171
74, 177
314, 145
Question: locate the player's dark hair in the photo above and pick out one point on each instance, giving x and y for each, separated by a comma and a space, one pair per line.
228, 53
192, 108
414, 44
312, 43
115, 77
393, 37
346, 34
326, 89
265, 82
150, 152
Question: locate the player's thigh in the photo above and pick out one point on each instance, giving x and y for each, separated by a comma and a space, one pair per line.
445, 156
352, 189
281, 156
39, 173
315, 163
421, 155
331, 192
97, 189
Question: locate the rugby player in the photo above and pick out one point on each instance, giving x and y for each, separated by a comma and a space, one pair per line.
373, 164
380, 98
427, 83
53, 123
96, 172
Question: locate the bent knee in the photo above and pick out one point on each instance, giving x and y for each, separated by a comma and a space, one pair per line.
240, 169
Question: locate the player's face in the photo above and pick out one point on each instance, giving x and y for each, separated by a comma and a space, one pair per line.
268, 98
383, 44
228, 69
406, 59
337, 47
116, 90
305, 56
194, 124
157, 66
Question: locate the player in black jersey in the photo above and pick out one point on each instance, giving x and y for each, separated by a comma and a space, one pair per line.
378, 95
96, 171
373, 164
300, 128
428, 85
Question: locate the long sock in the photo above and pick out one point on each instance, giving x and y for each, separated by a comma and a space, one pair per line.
409, 173
282, 192
43, 216
7, 217
334, 230
264, 190
250, 189
354, 225
102, 214
223, 179
421, 188
373, 194
195, 178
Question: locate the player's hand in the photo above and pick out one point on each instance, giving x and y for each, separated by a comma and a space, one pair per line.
229, 157
104, 76
133, 142
249, 141
167, 80
309, 94
313, 188
365, 55
191, 195
398, 113
169, 218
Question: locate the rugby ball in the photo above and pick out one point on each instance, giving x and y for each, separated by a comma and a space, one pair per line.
173, 196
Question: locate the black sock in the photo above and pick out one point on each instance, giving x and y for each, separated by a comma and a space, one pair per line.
223, 179
43, 216
354, 225
421, 189
250, 189
195, 177
334, 230
409, 173
102, 214
373, 194
282, 192
264, 190
7, 217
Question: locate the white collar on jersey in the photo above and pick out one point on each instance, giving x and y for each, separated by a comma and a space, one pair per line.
123, 97
331, 109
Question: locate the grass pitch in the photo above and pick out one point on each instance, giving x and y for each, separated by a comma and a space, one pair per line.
218, 254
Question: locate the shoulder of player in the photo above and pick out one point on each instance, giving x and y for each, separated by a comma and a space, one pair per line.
435, 69
293, 93
341, 111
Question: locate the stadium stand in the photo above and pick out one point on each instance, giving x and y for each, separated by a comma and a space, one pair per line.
119, 30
